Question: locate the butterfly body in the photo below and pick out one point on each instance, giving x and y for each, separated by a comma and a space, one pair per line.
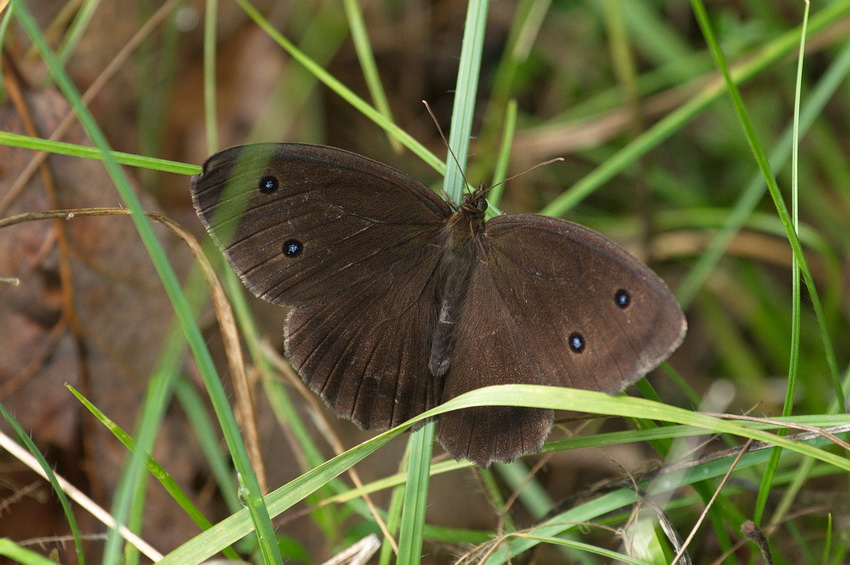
455, 271
399, 303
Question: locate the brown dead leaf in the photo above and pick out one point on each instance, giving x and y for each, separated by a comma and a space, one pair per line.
100, 329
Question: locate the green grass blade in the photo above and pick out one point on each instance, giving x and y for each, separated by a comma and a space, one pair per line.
367, 59
238, 525
75, 150
158, 472
54, 483
416, 492
773, 188
343, 91
210, 97
22, 555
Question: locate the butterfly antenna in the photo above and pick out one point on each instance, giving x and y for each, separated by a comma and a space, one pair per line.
454, 157
446, 141
528, 170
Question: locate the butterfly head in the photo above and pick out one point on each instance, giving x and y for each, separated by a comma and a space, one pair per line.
474, 203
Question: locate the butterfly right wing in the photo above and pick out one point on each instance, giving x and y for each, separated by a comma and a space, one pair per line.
551, 303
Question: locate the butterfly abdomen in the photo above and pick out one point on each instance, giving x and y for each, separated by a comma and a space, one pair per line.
453, 276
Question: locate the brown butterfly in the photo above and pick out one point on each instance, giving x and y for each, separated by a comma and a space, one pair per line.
399, 303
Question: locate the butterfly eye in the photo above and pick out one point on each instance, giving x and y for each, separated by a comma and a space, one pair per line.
292, 248
576, 341
268, 185
622, 298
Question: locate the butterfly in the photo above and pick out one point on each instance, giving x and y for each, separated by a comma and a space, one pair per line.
399, 301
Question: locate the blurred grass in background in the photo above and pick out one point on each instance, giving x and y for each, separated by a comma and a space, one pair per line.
655, 158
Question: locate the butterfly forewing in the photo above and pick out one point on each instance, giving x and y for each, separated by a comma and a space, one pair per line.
331, 221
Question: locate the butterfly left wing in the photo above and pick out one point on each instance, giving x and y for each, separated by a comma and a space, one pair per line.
300, 223
558, 304
351, 245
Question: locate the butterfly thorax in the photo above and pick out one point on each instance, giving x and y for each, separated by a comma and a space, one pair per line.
466, 221
453, 275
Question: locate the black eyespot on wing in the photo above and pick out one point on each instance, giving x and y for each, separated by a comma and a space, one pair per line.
268, 184
577, 343
292, 248
622, 298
